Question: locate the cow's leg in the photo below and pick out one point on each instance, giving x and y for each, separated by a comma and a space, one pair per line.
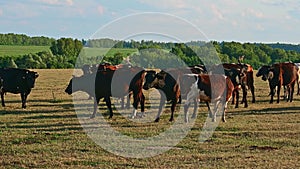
142, 105
108, 104
122, 103
233, 97
278, 93
23, 98
224, 112
214, 112
298, 92
195, 108
128, 101
179, 100
96, 101
186, 112
250, 83
2, 99
244, 89
136, 100
210, 114
174, 102
291, 91
272, 93
161, 104
186, 108
236, 91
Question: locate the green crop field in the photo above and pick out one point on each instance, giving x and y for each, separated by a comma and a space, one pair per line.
6, 50
48, 134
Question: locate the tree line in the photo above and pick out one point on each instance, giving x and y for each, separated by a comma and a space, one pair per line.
64, 52
24, 40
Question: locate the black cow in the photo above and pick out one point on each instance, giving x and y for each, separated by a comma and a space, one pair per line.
107, 83
16, 81
168, 84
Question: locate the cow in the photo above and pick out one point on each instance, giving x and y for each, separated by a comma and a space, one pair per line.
215, 88
247, 79
237, 78
15, 80
298, 81
106, 83
279, 74
167, 82
237, 74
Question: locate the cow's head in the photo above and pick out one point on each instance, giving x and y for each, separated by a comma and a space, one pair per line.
30, 77
81, 83
150, 79
266, 72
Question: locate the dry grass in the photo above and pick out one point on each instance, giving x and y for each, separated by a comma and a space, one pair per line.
48, 134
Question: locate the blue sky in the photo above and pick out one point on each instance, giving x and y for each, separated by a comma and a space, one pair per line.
221, 20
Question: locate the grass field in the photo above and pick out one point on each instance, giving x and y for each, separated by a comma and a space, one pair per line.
47, 134
8, 50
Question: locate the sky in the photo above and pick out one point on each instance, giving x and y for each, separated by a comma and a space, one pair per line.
221, 20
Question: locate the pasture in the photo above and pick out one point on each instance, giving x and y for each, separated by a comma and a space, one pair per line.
10, 50
47, 134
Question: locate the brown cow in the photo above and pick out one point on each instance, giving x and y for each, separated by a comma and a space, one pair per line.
215, 88
107, 83
280, 74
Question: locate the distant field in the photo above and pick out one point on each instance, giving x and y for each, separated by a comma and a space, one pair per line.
48, 134
6, 50
91, 52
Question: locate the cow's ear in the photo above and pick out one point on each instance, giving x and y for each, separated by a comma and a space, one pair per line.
36, 75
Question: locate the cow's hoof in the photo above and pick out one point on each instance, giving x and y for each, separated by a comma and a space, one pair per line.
156, 120
92, 116
171, 119
224, 120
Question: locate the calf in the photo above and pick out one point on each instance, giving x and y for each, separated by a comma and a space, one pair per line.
213, 88
16, 81
107, 83
277, 75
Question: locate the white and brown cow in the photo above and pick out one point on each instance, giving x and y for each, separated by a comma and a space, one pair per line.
216, 89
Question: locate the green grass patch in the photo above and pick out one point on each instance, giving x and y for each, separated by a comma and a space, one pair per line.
7, 50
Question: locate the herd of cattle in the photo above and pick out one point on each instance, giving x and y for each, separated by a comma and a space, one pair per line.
215, 85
